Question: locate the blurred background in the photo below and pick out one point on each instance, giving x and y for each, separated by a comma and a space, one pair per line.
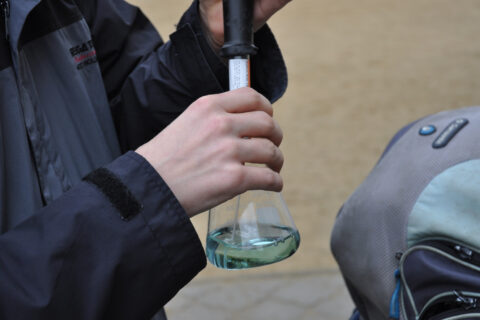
358, 72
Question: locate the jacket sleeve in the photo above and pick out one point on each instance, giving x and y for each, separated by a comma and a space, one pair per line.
149, 82
116, 246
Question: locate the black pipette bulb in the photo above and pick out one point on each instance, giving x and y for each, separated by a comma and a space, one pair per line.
238, 23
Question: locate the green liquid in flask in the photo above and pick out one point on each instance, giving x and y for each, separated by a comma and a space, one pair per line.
228, 248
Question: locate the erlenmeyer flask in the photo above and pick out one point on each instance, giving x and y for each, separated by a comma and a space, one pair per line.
251, 230
255, 228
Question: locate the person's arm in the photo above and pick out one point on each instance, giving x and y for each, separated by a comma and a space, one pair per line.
119, 245
149, 82
116, 246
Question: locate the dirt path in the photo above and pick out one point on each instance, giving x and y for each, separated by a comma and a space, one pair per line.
359, 70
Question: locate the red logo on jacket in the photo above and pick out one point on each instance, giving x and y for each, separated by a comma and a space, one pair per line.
84, 54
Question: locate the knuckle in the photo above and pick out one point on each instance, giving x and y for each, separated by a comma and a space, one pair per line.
276, 157
202, 103
270, 179
281, 158
280, 135
269, 124
248, 90
259, 101
222, 146
257, 98
280, 185
272, 150
232, 148
224, 123
221, 124
273, 181
236, 176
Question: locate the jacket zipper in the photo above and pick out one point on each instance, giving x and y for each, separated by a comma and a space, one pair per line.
5, 7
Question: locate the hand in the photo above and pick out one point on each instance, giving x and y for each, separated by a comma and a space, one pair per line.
202, 154
211, 12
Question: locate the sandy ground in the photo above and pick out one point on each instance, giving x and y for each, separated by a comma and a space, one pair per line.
359, 70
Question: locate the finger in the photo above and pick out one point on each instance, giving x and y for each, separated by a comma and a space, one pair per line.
262, 178
264, 9
261, 151
257, 124
244, 100
269, 7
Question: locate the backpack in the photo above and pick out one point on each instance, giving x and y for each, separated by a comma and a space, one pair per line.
407, 241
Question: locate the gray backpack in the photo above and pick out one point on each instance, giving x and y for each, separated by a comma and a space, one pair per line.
408, 239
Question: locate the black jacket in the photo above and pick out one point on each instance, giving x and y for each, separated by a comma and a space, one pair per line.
81, 83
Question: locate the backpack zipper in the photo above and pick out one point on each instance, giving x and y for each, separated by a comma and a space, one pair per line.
450, 304
5, 7
459, 251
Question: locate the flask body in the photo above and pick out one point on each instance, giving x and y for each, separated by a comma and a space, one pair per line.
251, 230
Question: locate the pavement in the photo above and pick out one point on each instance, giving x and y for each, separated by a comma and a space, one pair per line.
281, 296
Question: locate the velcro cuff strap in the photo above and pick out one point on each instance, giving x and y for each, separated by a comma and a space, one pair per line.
116, 192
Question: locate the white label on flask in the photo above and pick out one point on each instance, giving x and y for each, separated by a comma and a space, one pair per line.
238, 73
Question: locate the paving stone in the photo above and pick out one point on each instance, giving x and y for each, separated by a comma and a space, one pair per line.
311, 296
310, 290
231, 295
197, 312
272, 309
338, 306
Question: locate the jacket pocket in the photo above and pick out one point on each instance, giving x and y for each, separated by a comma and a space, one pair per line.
440, 280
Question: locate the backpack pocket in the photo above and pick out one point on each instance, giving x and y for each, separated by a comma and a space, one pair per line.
440, 280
